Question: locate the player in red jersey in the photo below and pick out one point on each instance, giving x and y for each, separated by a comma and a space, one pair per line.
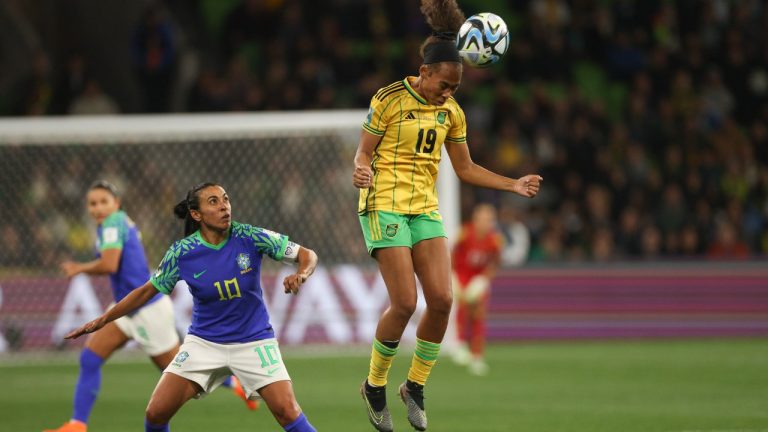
475, 259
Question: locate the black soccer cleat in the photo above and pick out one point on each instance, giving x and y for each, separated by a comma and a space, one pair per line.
412, 395
376, 402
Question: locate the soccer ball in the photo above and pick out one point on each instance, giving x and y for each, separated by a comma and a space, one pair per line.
482, 39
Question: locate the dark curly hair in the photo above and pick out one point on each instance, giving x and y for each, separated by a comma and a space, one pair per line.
445, 17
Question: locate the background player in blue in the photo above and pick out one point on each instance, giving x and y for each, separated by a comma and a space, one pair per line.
220, 260
120, 255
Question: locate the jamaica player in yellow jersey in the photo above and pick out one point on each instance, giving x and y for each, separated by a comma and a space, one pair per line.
396, 168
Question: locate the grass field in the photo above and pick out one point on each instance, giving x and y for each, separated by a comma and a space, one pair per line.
703, 385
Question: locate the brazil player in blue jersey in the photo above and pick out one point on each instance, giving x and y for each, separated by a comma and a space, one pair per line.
120, 255
220, 260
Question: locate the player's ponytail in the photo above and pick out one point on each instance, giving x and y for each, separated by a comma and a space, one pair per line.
181, 210
445, 18
190, 202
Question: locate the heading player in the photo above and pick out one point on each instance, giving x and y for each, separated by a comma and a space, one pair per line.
396, 167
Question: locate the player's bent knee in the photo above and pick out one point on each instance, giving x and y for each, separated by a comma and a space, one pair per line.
286, 412
156, 415
403, 311
440, 304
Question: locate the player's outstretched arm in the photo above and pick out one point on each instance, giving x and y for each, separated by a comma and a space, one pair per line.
307, 260
129, 303
472, 173
108, 263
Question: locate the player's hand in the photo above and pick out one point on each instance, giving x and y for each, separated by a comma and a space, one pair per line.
292, 283
528, 186
87, 328
70, 268
362, 177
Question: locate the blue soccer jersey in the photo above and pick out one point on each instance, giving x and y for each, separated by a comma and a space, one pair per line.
119, 232
225, 282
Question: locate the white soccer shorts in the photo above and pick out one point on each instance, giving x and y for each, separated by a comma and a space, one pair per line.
152, 327
256, 364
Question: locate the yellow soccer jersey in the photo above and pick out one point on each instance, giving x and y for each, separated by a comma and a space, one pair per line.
406, 159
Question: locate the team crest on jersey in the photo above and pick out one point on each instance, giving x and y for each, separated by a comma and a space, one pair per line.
244, 262
369, 116
441, 117
391, 230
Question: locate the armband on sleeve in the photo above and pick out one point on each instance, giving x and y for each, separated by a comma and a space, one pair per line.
291, 252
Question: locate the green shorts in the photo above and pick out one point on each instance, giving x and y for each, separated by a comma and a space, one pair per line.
383, 229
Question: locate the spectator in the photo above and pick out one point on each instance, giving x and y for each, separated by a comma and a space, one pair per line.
93, 101
154, 58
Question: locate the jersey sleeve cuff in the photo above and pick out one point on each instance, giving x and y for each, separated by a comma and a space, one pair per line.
111, 246
281, 251
372, 130
462, 139
157, 286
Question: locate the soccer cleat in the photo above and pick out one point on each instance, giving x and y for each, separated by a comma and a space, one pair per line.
461, 355
478, 367
240, 392
376, 402
412, 395
70, 426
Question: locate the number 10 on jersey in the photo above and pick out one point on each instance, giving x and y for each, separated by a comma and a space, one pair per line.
228, 284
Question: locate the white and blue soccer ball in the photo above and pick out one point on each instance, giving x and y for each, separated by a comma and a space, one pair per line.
482, 39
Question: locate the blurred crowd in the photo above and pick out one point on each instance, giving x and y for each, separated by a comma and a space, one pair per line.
648, 119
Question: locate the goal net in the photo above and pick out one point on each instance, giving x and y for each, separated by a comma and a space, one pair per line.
289, 172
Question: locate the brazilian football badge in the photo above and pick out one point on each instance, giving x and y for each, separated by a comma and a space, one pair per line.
441, 117
244, 262
392, 230
180, 358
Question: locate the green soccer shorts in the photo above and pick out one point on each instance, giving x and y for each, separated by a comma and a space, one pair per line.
383, 229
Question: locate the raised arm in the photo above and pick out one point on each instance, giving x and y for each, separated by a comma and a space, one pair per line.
106, 264
307, 260
472, 173
129, 303
363, 175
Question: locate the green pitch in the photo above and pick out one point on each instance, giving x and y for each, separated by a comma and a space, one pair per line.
706, 385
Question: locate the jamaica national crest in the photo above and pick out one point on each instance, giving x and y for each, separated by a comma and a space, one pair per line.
391, 230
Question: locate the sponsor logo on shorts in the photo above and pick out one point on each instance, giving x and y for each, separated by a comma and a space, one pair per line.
391, 230
197, 275
273, 370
